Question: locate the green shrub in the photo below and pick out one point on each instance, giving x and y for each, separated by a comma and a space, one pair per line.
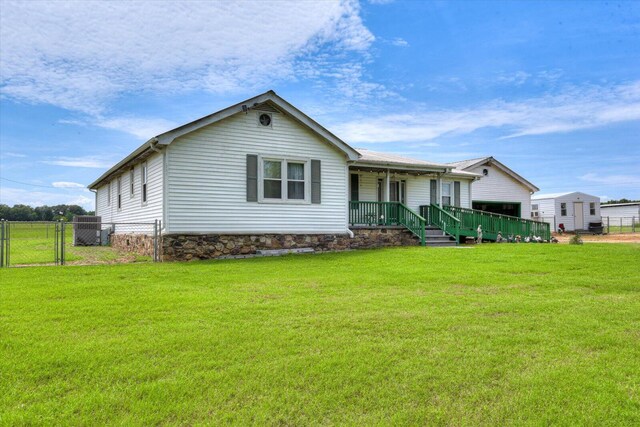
576, 240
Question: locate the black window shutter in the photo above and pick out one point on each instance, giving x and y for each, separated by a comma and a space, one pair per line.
456, 193
252, 178
434, 192
315, 182
355, 187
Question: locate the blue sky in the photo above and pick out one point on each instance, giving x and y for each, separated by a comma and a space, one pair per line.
552, 89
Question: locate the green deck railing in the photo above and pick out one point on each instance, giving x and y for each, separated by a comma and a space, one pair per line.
434, 215
491, 223
387, 214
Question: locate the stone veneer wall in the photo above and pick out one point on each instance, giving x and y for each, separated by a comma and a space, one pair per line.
138, 243
184, 247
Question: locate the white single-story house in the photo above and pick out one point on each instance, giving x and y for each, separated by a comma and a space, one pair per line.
501, 190
263, 175
621, 210
574, 210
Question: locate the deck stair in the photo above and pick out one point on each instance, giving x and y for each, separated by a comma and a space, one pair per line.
436, 237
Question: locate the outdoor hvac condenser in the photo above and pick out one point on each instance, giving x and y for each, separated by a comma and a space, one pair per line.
86, 230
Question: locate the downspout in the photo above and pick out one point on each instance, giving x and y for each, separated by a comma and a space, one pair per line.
95, 201
152, 146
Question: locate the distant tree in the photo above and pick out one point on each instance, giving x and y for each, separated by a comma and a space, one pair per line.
610, 202
5, 211
40, 213
22, 213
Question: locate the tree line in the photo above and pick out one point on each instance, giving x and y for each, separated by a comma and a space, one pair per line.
611, 202
41, 213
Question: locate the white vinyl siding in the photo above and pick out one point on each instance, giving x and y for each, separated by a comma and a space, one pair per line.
497, 186
206, 179
550, 210
132, 209
417, 188
628, 211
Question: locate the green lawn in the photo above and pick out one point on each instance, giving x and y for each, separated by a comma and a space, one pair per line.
34, 243
496, 334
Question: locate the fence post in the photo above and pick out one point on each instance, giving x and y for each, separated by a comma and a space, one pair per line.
1, 243
608, 226
55, 244
633, 224
155, 241
62, 242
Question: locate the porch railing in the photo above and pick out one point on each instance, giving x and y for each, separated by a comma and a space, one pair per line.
434, 215
492, 224
387, 214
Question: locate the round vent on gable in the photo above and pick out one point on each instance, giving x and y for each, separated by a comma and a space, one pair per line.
265, 119
485, 172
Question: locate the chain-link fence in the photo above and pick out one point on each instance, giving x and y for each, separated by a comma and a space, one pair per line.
621, 224
610, 224
78, 242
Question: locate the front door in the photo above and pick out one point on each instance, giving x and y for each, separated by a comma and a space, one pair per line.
578, 212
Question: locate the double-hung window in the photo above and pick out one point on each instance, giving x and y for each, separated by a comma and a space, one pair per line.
132, 177
284, 180
563, 209
119, 193
143, 179
272, 179
295, 181
446, 194
592, 208
109, 194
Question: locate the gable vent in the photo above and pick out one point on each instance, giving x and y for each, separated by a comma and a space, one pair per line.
266, 107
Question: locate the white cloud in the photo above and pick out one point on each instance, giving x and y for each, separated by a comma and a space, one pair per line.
18, 196
624, 180
572, 109
81, 55
399, 41
10, 154
95, 162
66, 184
141, 128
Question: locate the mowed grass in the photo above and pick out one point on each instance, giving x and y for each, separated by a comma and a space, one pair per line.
34, 243
495, 334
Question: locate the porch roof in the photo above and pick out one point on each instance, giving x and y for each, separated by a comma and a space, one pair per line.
377, 161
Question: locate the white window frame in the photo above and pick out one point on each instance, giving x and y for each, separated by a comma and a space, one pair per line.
119, 193
132, 182
566, 212
284, 180
144, 184
109, 193
592, 208
450, 196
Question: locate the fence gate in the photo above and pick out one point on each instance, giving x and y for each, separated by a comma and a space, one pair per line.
31, 243
35, 243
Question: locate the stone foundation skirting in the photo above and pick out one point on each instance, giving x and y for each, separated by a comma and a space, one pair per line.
140, 244
184, 247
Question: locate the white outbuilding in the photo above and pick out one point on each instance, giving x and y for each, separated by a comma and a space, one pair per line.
621, 214
574, 210
621, 210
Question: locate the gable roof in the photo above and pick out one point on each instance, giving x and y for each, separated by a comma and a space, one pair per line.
614, 205
465, 165
269, 97
556, 195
